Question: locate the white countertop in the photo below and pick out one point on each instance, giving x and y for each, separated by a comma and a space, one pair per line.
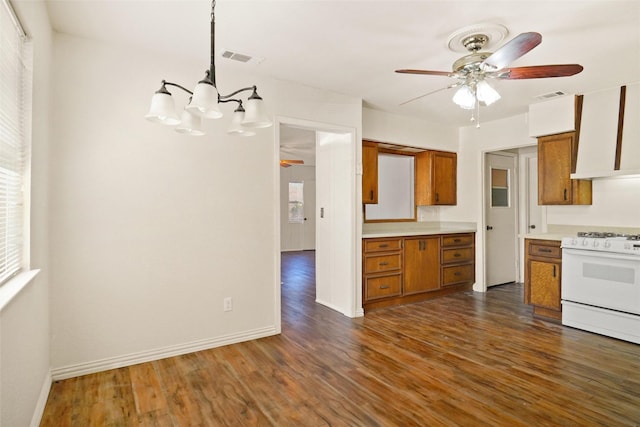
393, 229
545, 236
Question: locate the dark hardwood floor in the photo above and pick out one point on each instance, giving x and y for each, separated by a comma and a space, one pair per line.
465, 359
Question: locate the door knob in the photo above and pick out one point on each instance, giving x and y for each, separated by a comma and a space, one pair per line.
532, 226
489, 227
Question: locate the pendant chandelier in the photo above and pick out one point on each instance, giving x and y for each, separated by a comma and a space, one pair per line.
203, 103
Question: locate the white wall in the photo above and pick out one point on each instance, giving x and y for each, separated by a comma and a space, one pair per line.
152, 229
615, 201
392, 128
24, 322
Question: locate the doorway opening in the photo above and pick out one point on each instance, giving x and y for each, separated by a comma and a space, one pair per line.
317, 206
510, 210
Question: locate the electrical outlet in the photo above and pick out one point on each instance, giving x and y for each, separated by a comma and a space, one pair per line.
228, 304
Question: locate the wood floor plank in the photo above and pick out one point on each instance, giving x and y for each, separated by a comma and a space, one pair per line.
463, 359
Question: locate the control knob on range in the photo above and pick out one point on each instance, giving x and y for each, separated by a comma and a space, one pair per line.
607, 244
585, 242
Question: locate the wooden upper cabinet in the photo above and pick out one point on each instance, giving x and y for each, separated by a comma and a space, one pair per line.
369, 172
436, 178
556, 162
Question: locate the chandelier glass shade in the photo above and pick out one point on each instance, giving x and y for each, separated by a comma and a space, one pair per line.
163, 109
204, 103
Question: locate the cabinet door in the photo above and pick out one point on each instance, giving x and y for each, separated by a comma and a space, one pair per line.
554, 169
421, 265
444, 179
436, 178
545, 284
369, 172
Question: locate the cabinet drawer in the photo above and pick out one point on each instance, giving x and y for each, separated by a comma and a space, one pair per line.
382, 286
458, 274
380, 263
457, 240
450, 256
545, 251
382, 245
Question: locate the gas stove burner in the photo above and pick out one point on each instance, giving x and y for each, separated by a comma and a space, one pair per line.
607, 235
598, 234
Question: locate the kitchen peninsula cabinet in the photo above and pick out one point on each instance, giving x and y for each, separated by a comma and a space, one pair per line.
436, 173
369, 172
542, 282
408, 269
556, 162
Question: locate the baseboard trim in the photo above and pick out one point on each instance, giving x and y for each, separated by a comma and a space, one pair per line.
42, 401
79, 369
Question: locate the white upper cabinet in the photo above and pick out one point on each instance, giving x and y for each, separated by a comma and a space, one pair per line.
630, 154
598, 134
552, 117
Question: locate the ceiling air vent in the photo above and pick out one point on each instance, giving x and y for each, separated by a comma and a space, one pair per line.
550, 95
235, 56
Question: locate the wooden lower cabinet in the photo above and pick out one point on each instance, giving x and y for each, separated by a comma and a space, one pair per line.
458, 259
542, 282
402, 270
421, 265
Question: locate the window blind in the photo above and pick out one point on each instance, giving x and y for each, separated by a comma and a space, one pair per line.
15, 124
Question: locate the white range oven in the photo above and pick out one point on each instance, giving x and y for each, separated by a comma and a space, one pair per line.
601, 284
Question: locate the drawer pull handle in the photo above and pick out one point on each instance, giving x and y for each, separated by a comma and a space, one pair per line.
382, 264
457, 255
384, 245
384, 286
457, 273
456, 240
545, 250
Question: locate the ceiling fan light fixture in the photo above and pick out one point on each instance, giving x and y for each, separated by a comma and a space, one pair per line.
485, 93
465, 98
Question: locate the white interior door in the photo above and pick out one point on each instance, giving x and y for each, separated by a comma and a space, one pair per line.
335, 241
534, 211
500, 215
309, 226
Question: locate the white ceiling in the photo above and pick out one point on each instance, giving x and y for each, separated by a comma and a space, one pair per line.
353, 47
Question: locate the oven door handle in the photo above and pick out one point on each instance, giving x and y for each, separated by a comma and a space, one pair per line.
599, 254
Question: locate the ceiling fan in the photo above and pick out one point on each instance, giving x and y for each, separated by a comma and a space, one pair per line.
474, 69
289, 163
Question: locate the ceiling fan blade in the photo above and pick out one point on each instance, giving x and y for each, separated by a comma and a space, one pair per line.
430, 93
287, 163
511, 51
426, 72
540, 71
